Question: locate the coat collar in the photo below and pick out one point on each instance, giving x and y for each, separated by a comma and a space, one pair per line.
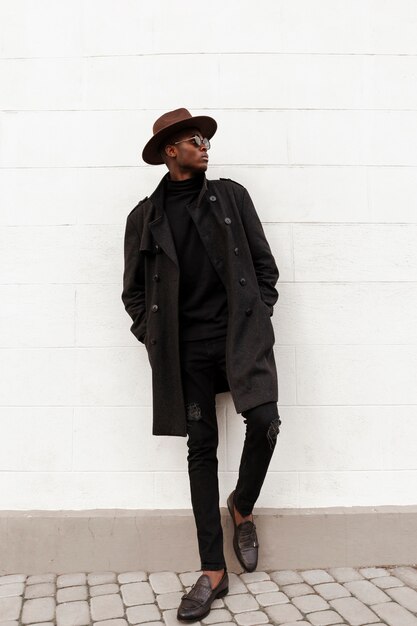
160, 227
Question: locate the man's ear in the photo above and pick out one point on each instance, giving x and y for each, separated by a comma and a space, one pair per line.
170, 150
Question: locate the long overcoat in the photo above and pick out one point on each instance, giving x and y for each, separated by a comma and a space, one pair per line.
233, 236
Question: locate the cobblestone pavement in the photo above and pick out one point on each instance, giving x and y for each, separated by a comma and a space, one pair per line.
318, 597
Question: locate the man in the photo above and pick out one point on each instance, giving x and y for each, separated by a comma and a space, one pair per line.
199, 285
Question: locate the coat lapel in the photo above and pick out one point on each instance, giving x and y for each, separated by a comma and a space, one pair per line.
159, 226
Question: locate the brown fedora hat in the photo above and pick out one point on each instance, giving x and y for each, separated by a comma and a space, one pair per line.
170, 123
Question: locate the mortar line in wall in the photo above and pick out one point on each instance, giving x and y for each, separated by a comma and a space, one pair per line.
216, 109
221, 471
278, 345
133, 406
281, 282
217, 53
264, 222
213, 165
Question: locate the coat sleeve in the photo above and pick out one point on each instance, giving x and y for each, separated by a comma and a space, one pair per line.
265, 267
133, 295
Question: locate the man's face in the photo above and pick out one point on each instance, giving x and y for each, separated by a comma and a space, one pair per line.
186, 155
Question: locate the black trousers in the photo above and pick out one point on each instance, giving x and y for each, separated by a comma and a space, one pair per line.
201, 361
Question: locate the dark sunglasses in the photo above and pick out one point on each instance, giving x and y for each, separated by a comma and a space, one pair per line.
197, 141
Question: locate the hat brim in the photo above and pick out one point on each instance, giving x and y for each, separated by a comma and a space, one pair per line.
207, 126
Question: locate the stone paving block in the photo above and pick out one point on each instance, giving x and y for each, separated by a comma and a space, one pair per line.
8, 579
345, 574
394, 614
298, 589
407, 574
281, 613
141, 614
189, 578
38, 610
236, 585
43, 624
386, 582
101, 578
113, 622
329, 591
169, 600
310, 603
70, 580
170, 619
164, 582
10, 608
273, 597
366, 592
324, 618
252, 617
106, 607
316, 576
286, 577
373, 572
40, 578
69, 594
152, 624
40, 590
217, 616
353, 611
217, 604
241, 602
12, 623
302, 623
254, 577
104, 590
405, 596
131, 577
263, 586
73, 614
14, 589
137, 593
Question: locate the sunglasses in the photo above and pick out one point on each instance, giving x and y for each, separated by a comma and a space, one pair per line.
197, 141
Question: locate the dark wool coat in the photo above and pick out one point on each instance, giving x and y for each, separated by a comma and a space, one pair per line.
232, 234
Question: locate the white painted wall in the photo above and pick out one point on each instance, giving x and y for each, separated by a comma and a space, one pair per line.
316, 106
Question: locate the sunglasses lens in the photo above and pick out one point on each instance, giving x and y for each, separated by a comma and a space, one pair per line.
197, 140
206, 142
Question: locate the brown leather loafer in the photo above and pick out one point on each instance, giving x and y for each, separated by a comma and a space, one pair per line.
197, 602
245, 540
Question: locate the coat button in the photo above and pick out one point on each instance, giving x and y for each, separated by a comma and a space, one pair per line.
213, 198
248, 312
156, 278
227, 220
153, 341
242, 281
155, 307
157, 249
236, 250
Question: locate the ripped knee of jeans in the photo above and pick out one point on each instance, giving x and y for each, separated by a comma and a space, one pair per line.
273, 432
193, 411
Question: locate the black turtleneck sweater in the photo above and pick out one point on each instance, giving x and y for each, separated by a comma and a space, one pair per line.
202, 295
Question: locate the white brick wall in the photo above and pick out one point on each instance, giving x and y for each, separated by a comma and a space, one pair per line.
316, 105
